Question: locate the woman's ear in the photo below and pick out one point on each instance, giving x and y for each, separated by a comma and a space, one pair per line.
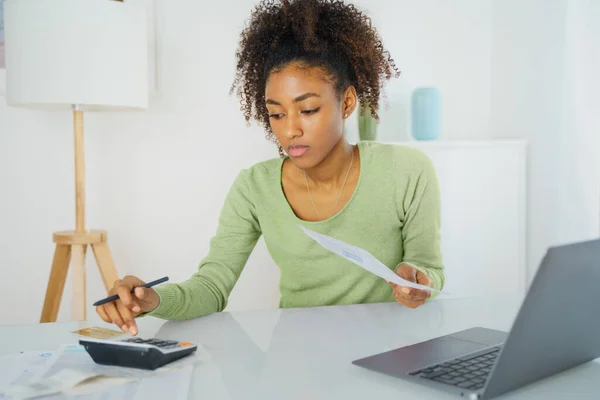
349, 101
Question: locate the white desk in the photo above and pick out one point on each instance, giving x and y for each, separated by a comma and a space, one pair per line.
307, 353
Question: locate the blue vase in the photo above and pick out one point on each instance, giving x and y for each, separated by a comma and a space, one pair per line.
426, 113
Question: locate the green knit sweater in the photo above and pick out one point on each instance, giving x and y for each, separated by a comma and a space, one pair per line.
394, 213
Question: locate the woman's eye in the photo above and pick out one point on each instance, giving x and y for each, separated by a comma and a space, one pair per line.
275, 116
309, 112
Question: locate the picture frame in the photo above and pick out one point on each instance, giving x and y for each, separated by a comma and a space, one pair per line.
151, 13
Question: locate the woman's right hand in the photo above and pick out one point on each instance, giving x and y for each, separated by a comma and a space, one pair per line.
123, 311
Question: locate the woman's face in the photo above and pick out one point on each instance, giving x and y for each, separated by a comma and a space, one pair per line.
306, 115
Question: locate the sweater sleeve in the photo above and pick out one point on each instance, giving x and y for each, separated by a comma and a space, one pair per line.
420, 206
208, 289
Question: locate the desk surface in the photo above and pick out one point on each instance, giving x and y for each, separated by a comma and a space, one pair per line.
307, 353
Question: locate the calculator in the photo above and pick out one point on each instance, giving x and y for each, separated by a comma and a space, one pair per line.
137, 352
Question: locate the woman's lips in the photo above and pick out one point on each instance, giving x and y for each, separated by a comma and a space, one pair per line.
297, 151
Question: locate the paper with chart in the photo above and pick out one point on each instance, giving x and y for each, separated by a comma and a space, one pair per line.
363, 259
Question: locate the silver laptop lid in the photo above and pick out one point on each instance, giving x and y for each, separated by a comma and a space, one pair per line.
558, 324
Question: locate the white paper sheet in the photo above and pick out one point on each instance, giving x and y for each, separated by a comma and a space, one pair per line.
363, 259
29, 375
63, 380
20, 368
172, 385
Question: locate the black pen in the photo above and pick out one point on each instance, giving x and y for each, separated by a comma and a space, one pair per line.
116, 297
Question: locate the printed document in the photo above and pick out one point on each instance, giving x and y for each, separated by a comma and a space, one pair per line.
71, 370
363, 259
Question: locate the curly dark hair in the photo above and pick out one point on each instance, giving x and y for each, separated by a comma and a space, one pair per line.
330, 34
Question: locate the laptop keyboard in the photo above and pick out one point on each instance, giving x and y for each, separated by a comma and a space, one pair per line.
469, 372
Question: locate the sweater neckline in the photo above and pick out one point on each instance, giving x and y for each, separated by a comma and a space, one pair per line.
289, 208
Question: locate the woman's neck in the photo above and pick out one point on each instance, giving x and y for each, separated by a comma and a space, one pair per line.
334, 167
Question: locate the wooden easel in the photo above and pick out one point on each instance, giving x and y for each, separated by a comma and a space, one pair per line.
71, 247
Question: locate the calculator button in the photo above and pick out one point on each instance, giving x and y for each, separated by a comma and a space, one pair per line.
133, 340
165, 344
185, 344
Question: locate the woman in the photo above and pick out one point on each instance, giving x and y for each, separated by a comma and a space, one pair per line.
303, 68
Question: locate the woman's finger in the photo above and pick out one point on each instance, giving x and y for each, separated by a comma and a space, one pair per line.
103, 314
407, 300
115, 316
411, 293
124, 292
418, 295
409, 303
127, 318
140, 293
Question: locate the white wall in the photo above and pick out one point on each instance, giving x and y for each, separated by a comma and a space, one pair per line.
156, 180
545, 89
441, 43
581, 200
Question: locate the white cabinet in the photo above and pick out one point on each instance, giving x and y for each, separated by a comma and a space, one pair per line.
483, 189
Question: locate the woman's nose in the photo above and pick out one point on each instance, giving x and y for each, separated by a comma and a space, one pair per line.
293, 128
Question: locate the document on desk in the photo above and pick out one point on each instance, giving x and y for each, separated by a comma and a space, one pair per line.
29, 375
67, 384
363, 259
19, 368
57, 383
172, 385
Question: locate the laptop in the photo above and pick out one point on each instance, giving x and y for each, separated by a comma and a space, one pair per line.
556, 328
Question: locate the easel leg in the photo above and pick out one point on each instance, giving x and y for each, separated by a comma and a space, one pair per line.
78, 275
106, 264
56, 283
71, 247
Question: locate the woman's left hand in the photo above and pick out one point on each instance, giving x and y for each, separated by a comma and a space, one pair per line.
408, 296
